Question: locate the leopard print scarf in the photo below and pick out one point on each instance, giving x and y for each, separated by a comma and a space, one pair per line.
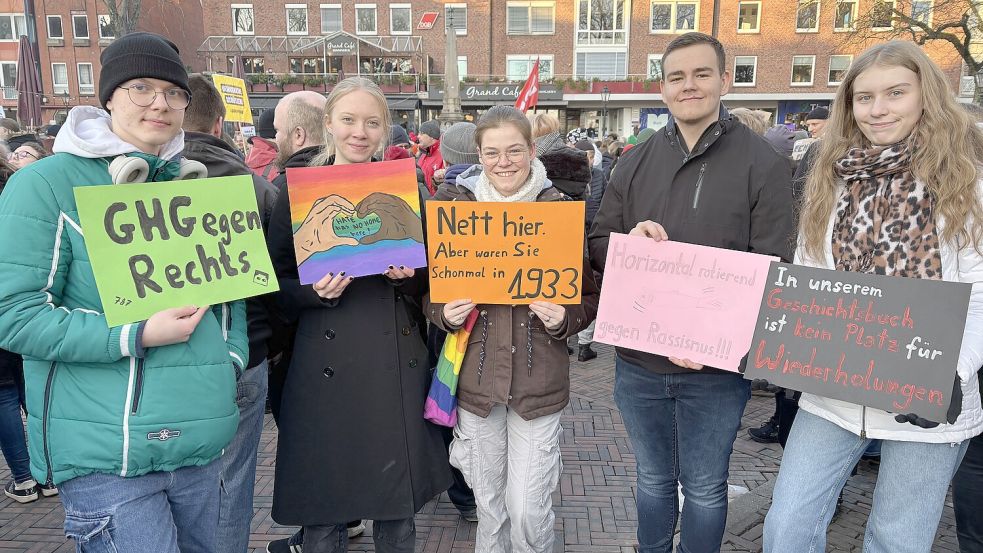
885, 221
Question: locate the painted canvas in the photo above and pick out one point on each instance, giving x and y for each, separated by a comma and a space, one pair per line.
358, 218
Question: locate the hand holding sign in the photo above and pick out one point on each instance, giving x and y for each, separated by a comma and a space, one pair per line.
551, 314
316, 233
331, 286
172, 326
398, 219
651, 229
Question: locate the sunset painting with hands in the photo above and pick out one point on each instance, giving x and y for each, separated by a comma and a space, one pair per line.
358, 218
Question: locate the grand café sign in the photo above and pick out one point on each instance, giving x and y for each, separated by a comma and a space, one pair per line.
499, 92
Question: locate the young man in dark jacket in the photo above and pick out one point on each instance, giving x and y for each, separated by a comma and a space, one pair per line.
703, 179
203, 122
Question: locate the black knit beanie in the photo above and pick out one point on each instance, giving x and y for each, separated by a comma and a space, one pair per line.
140, 55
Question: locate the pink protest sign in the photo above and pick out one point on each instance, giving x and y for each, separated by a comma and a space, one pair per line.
681, 300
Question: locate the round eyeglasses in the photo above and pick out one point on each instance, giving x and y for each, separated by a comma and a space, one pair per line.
144, 95
492, 157
23, 154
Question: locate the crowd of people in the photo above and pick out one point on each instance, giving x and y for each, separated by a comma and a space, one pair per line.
148, 432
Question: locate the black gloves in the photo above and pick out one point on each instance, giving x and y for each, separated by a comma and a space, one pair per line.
955, 407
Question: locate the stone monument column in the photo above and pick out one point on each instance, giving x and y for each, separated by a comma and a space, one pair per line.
450, 112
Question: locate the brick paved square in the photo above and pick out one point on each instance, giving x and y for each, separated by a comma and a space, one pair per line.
594, 502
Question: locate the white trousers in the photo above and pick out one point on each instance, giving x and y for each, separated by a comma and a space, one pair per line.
513, 466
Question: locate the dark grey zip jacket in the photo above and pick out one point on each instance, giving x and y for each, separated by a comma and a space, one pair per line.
732, 191
222, 161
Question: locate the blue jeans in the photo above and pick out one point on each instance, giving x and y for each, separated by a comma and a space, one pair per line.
912, 482
389, 536
163, 512
12, 441
682, 428
239, 462
967, 498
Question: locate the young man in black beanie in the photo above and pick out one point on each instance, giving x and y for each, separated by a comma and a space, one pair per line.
128, 421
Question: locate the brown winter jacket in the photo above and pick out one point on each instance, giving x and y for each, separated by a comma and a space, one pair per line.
511, 358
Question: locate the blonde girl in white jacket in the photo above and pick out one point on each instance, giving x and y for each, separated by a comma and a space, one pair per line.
899, 154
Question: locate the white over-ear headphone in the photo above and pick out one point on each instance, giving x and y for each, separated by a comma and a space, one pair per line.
191, 169
131, 169
127, 169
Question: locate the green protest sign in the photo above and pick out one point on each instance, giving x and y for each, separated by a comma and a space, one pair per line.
168, 244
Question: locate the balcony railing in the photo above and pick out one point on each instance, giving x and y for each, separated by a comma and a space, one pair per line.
406, 83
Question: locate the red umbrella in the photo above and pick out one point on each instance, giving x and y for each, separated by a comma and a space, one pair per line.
28, 86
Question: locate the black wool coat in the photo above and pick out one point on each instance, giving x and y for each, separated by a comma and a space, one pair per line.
353, 443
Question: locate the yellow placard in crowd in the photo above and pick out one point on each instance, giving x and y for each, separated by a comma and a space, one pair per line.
233, 92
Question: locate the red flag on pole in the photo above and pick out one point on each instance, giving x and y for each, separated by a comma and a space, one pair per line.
529, 95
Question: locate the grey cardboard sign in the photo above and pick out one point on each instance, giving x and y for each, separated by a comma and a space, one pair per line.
890, 343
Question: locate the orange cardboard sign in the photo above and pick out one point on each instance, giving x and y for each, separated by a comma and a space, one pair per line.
505, 253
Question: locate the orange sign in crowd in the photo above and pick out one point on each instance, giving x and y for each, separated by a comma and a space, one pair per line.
505, 253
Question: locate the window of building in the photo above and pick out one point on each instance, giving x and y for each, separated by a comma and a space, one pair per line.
807, 16
296, 19
601, 65
745, 70
365, 19
519, 67
54, 27
80, 25
12, 26
8, 79
330, 18
921, 11
749, 17
846, 15
882, 14
674, 17
457, 17
59, 78
802, 70
400, 19
601, 22
837, 68
655, 67
462, 67
530, 18
106, 27
86, 83
242, 19
307, 65
249, 64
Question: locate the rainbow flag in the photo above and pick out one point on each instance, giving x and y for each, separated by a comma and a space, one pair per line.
441, 405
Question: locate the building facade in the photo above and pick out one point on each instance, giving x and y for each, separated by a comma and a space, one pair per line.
600, 60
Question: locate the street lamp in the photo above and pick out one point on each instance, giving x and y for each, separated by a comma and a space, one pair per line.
605, 95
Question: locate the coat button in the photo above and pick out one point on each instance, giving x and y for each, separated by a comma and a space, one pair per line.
513, 349
328, 372
398, 297
413, 363
329, 334
406, 331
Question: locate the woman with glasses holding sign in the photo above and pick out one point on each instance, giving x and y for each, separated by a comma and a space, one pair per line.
128, 421
895, 190
353, 443
515, 377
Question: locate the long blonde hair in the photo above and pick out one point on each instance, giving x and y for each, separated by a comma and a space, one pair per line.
345, 87
946, 144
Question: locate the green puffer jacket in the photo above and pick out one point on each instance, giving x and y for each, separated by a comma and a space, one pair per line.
96, 400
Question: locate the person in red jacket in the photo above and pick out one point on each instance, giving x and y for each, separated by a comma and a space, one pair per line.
430, 159
262, 154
